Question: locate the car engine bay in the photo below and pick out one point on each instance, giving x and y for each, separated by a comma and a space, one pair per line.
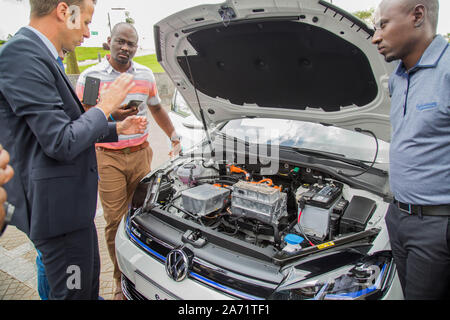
294, 209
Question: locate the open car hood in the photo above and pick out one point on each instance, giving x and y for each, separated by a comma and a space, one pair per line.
294, 59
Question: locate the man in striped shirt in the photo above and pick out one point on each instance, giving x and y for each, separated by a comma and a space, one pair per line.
123, 164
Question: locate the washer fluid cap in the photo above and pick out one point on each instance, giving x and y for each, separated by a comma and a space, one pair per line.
293, 239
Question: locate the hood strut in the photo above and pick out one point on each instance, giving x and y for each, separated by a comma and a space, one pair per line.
202, 114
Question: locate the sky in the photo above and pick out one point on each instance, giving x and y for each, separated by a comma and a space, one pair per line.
15, 14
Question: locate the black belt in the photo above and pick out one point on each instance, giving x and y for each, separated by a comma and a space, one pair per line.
439, 210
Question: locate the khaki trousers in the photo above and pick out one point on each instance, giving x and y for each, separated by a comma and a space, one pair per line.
119, 176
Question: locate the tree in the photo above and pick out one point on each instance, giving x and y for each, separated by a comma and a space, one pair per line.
365, 15
128, 19
72, 63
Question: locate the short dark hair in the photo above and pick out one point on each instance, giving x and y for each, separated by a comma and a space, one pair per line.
432, 8
40, 8
433, 12
120, 24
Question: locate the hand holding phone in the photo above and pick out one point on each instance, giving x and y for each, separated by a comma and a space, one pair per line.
133, 103
91, 90
112, 95
130, 109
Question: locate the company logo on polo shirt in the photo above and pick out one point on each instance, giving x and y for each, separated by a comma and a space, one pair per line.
426, 106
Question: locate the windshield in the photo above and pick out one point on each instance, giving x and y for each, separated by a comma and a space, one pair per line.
291, 133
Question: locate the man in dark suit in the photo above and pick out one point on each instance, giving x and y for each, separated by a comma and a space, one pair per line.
51, 142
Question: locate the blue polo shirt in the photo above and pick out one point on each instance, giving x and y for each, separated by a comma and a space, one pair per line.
420, 118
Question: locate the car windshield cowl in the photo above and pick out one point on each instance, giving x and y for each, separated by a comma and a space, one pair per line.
367, 165
340, 157
314, 153
309, 136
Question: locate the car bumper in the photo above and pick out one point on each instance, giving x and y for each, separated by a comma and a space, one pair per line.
144, 277
394, 292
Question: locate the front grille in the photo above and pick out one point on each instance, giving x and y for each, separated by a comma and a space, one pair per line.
129, 290
200, 272
144, 240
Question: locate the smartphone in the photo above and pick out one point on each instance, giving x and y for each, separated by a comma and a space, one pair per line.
133, 103
91, 90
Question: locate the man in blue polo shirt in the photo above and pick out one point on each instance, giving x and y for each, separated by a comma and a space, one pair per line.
418, 219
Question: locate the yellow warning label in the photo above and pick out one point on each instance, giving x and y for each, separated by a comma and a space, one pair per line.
325, 245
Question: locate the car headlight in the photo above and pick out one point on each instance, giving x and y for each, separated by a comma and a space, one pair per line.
367, 279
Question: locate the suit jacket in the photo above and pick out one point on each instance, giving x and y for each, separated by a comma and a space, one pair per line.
50, 139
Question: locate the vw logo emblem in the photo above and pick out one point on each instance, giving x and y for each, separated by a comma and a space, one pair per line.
177, 264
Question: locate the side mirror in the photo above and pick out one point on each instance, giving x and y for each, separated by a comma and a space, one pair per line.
192, 125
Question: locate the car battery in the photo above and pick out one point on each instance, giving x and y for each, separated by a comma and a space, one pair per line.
357, 214
204, 199
258, 201
319, 201
323, 196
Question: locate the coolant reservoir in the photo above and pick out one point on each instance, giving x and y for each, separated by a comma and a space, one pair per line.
189, 172
293, 242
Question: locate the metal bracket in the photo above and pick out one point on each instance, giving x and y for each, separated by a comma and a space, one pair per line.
227, 14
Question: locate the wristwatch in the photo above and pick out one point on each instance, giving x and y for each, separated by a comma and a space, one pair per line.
175, 137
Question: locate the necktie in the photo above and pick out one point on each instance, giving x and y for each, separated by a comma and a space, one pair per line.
60, 63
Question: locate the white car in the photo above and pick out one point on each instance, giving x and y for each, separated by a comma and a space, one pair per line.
186, 124
286, 195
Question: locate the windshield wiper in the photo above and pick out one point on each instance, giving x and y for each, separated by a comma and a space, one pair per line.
335, 156
321, 154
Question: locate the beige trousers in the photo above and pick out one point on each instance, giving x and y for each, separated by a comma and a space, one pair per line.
119, 176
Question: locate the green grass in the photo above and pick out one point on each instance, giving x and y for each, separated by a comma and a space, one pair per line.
82, 68
148, 61
89, 53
